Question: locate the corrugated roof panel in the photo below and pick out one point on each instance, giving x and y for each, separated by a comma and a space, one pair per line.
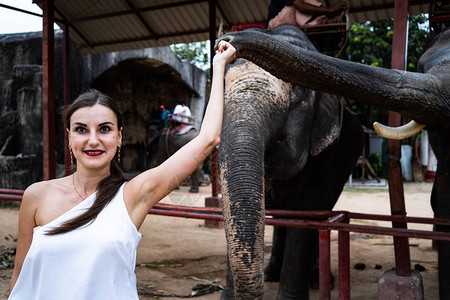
164, 22
125, 27
154, 21
199, 15
86, 8
172, 23
101, 7
189, 17
180, 21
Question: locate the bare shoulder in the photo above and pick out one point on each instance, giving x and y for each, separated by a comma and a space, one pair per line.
34, 192
37, 192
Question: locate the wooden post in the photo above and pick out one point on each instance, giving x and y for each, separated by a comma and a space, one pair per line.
67, 166
397, 199
48, 90
214, 200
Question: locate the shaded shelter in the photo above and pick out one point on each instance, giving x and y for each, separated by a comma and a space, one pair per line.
122, 25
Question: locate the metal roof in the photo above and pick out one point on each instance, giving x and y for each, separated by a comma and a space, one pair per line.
114, 25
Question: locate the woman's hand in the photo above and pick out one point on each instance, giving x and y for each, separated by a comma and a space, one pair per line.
226, 54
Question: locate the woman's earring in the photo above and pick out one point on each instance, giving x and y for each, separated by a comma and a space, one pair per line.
118, 155
71, 156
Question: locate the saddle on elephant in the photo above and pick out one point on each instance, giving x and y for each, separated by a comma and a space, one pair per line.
178, 129
180, 119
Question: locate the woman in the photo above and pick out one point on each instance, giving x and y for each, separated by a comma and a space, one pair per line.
301, 12
78, 234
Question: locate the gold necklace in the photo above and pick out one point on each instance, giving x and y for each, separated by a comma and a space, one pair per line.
75, 188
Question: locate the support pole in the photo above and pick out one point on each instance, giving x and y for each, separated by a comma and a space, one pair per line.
48, 90
397, 199
324, 265
344, 265
66, 75
214, 200
212, 39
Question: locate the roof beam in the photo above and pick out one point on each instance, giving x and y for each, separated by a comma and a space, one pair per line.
28, 12
385, 6
137, 10
66, 25
141, 19
20, 10
142, 39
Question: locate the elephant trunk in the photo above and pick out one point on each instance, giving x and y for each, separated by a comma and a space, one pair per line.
242, 174
254, 99
419, 96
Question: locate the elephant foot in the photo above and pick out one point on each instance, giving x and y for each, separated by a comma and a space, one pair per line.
272, 273
194, 189
283, 295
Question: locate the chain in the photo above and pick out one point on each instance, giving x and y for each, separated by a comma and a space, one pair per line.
75, 188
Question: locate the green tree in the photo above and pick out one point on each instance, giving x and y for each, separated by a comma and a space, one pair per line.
370, 43
196, 53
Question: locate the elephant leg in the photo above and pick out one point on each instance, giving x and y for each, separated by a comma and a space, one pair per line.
440, 202
444, 268
299, 259
195, 180
273, 269
442, 210
228, 291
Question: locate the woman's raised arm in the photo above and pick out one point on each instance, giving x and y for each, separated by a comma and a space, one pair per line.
149, 187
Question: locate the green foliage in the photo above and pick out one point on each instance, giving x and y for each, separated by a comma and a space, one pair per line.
378, 166
196, 53
8, 254
370, 43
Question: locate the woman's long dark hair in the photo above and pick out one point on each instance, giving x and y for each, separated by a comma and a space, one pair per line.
108, 187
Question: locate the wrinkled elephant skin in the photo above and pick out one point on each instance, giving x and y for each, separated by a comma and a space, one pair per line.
423, 96
286, 147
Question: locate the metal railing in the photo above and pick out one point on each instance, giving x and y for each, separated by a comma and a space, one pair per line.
326, 221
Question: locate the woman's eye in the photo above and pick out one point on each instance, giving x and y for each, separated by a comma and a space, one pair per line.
105, 129
80, 129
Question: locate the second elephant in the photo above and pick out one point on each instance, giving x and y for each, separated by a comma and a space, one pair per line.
169, 143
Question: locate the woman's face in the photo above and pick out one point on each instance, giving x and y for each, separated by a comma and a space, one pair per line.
94, 136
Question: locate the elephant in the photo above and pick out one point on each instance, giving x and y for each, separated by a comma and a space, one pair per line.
167, 143
284, 147
423, 96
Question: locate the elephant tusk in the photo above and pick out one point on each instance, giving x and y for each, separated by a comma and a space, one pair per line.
398, 133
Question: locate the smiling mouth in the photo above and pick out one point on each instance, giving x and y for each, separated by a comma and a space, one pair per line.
94, 152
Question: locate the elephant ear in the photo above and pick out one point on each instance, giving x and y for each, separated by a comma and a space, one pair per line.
326, 126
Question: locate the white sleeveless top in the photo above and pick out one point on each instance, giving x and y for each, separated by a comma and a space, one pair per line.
96, 261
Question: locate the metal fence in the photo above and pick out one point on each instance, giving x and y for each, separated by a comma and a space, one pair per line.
323, 221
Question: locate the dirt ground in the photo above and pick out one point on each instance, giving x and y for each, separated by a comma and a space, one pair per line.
176, 254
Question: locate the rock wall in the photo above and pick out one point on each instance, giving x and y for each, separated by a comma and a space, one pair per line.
139, 80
